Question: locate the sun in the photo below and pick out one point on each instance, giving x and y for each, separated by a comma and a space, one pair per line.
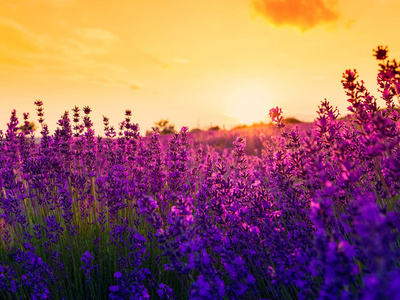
248, 103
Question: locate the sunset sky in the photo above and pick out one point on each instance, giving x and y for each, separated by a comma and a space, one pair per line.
195, 62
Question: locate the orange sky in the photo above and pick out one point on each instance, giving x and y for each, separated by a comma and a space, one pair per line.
197, 62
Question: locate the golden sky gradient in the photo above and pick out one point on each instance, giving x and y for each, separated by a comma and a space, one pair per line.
197, 62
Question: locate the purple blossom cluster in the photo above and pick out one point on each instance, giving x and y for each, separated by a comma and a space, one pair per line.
314, 215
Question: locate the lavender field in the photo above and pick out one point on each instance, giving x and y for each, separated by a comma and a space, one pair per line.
311, 213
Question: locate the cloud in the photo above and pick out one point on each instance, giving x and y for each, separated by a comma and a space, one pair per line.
16, 38
304, 14
98, 34
17, 45
4, 60
151, 57
68, 57
134, 87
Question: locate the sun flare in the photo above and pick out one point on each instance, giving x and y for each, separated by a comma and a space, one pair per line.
249, 103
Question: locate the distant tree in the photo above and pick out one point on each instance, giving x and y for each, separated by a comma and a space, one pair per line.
259, 124
32, 126
165, 127
291, 121
195, 130
240, 126
214, 128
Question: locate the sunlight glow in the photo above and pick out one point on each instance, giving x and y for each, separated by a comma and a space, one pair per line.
249, 103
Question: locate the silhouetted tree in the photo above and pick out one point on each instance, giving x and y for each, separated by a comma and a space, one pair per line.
214, 128
291, 120
165, 127
195, 130
32, 126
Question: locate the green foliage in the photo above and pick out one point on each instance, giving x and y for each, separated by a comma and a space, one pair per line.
32, 126
165, 127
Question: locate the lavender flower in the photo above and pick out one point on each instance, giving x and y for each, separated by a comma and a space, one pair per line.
87, 265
